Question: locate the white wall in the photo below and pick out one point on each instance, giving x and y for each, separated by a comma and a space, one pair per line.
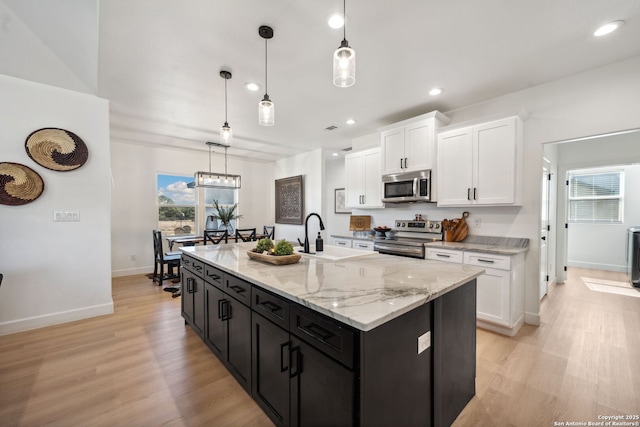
135, 169
335, 178
55, 272
600, 246
311, 166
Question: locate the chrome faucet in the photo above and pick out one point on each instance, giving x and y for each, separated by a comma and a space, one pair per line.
306, 231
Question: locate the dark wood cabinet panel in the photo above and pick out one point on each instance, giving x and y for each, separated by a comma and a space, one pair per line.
271, 356
322, 390
239, 342
216, 331
271, 307
238, 288
193, 300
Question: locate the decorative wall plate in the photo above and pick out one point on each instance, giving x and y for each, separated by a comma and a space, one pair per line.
19, 184
57, 149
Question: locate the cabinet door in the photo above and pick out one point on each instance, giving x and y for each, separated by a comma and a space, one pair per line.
270, 381
322, 390
345, 243
216, 329
187, 298
495, 157
354, 186
420, 146
494, 288
372, 180
239, 339
455, 167
198, 305
392, 144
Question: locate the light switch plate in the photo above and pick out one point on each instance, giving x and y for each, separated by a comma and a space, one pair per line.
424, 342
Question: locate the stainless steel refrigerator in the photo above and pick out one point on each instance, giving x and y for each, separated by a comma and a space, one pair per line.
633, 255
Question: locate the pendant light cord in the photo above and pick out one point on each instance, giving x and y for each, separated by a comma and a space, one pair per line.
266, 56
209, 159
225, 162
344, 16
225, 101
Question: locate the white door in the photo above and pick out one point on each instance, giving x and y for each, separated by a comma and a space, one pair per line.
372, 183
455, 167
419, 146
544, 228
393, 151
354, 187
495, 157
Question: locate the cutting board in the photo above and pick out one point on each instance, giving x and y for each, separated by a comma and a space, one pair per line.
457, 229
360, 223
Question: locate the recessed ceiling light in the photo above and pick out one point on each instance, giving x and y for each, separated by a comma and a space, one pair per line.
435, 91
608, 28
336, 20
350, 121
335, 154
253, 87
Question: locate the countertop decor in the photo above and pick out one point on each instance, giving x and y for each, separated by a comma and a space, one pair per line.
57, 149
275, 260
19, 184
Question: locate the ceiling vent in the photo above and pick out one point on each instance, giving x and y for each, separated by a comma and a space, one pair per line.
347, 149
332, 127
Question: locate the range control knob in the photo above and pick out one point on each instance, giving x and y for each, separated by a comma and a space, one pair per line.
430, 225
437, 225
398, 224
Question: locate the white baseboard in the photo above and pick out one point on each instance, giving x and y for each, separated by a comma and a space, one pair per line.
597, 266
132, 271
532, 318
29, 323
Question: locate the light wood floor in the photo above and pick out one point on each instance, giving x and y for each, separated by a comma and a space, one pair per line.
141, 366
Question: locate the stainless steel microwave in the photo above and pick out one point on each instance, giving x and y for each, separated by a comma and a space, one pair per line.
407, 187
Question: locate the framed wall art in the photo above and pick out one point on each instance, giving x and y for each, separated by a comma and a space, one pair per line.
339, 200
290, 200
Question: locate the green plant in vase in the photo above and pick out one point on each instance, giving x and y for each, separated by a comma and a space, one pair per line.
225, 215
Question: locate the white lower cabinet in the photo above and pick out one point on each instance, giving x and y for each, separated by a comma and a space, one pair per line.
345, 242
500, 290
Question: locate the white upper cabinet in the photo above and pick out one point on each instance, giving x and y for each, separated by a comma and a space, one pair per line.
410, 145
363, 187
481, 164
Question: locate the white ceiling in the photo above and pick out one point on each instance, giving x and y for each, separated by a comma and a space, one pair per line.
159, 63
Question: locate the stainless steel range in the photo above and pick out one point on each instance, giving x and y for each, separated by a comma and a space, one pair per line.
410, 238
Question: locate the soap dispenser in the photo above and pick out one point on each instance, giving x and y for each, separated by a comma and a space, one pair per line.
319, 243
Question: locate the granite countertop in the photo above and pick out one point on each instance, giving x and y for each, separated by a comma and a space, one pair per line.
486, 244
363, 291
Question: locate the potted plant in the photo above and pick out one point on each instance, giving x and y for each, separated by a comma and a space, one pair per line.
225, 215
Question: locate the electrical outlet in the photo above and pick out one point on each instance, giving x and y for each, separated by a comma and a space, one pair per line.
61, 216
476, 223
424, 342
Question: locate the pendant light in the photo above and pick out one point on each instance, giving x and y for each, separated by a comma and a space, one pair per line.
344, 59
226, 133
214, 179
266, 109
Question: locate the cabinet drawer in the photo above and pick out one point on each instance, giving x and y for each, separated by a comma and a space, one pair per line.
363, 245
446, 255
238, 288
192, 264
345, 243
214, 276
324, 334
271, 306
501, 262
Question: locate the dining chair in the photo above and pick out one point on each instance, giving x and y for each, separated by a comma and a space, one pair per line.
161, 260
246, 234
269, 231
216, 236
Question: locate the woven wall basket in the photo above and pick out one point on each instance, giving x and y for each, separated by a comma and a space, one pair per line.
57, 149
19, 184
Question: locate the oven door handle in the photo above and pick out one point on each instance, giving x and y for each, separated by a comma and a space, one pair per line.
398, 249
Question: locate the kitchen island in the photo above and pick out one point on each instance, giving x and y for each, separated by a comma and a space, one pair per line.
361, 339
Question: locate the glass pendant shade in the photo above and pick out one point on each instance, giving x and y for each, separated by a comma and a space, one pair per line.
226, 134
266, 112
344, 66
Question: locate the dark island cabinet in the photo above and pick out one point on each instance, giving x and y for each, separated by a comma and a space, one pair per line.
193, 294
271, 360
228, 333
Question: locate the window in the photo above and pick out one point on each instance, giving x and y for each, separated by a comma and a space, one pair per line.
596, 196
176, 205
